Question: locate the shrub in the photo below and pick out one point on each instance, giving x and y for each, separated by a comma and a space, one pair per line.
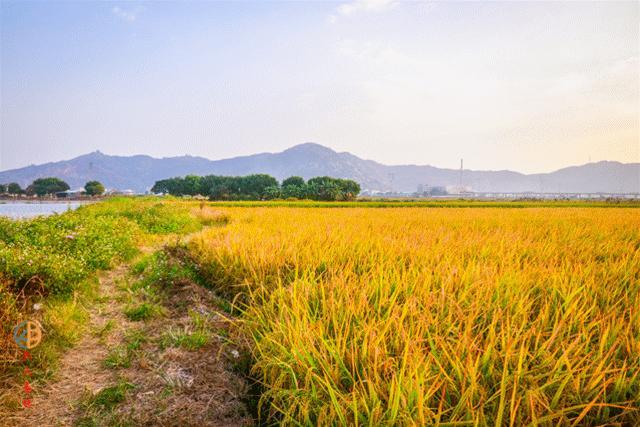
52, 254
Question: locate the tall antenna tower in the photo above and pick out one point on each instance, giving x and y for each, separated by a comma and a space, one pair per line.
461, 168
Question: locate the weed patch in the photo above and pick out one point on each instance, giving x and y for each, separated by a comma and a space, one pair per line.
144, 311
109, 397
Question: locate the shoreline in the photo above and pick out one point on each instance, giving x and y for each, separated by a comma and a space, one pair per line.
47, 202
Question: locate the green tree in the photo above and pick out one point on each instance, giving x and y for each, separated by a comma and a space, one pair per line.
259, 186
171, 186
161, 187
221, 190
294, 187
50, 185
350, 189
328, 188
294, 191
3, 188
191, 185
323, 188
293, 180
14, 188
272, 192
209, 183
94, 188
255, 186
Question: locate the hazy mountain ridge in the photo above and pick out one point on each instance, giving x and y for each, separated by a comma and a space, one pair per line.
308, 160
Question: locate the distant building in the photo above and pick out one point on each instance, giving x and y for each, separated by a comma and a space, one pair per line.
459, 189
70, 193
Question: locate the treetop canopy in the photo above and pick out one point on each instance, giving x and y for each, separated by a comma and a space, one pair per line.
258, 187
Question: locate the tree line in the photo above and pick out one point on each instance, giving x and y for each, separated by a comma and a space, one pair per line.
258, 187
49, 186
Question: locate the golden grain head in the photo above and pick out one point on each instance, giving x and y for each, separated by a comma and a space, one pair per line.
423, 316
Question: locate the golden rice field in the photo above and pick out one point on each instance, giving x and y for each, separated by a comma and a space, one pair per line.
421, 316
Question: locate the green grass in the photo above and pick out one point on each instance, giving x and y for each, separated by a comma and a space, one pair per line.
109, 397
144, 311
134, 339
188, 340
53, 260
163, 270
122, 355
191, 338
98, 409
52, 255
152, 215
118, 357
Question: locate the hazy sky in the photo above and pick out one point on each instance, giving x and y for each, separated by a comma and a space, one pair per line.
524, 86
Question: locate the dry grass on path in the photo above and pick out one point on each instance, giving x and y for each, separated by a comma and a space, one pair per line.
126, 372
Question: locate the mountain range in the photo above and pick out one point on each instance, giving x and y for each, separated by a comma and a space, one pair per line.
139, 172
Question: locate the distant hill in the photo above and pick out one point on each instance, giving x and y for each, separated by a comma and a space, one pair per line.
138, 173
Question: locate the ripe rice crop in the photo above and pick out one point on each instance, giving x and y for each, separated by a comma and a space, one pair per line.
425, 316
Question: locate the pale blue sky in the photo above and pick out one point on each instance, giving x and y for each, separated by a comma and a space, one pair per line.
524, 86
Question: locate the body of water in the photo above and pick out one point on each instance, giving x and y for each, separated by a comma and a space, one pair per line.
30, 210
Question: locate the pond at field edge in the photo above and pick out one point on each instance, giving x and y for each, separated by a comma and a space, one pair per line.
17, 210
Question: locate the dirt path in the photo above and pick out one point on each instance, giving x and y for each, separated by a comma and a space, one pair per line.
81, 368
164, 362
